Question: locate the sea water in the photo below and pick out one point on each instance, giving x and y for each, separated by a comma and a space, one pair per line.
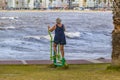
24, 35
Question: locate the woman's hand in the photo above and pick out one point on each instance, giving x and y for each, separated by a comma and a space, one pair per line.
51, 28
48, 27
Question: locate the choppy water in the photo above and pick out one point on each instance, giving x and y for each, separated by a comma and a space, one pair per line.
23, 35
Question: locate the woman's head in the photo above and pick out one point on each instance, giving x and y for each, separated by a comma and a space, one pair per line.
58, 20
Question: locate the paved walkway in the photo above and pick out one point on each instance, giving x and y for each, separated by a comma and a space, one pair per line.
85, 61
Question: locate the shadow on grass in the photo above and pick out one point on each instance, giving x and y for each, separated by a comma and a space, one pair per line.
115, 68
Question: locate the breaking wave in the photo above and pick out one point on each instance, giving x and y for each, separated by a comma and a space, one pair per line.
7, 28
72, 35
8, 18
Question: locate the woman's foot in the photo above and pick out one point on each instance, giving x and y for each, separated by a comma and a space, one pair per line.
63, 61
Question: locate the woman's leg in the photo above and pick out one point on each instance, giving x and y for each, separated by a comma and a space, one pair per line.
55, 48
62, 50
62, 53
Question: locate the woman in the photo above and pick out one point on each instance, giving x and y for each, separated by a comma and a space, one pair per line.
59, 37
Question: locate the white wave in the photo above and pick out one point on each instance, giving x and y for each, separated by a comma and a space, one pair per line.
6, 28
8, 18
48, 37
38, 37
68, 34
35, 37
72, 34
10, 27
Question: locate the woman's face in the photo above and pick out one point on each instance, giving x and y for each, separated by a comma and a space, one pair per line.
58, 21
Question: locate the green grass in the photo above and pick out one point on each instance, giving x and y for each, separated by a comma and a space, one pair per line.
42, 72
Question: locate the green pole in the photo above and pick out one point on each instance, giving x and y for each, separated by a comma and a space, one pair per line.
51, 40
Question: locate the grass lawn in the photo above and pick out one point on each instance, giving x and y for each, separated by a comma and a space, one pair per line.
42, 72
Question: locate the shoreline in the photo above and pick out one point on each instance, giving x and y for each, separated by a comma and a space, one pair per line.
81, 61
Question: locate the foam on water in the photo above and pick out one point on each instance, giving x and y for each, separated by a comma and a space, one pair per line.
48, 37
7, 28
39, 37
8, 18
72, 34
34, 37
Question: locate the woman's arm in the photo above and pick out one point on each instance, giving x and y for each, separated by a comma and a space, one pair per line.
52, 28
64, 28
